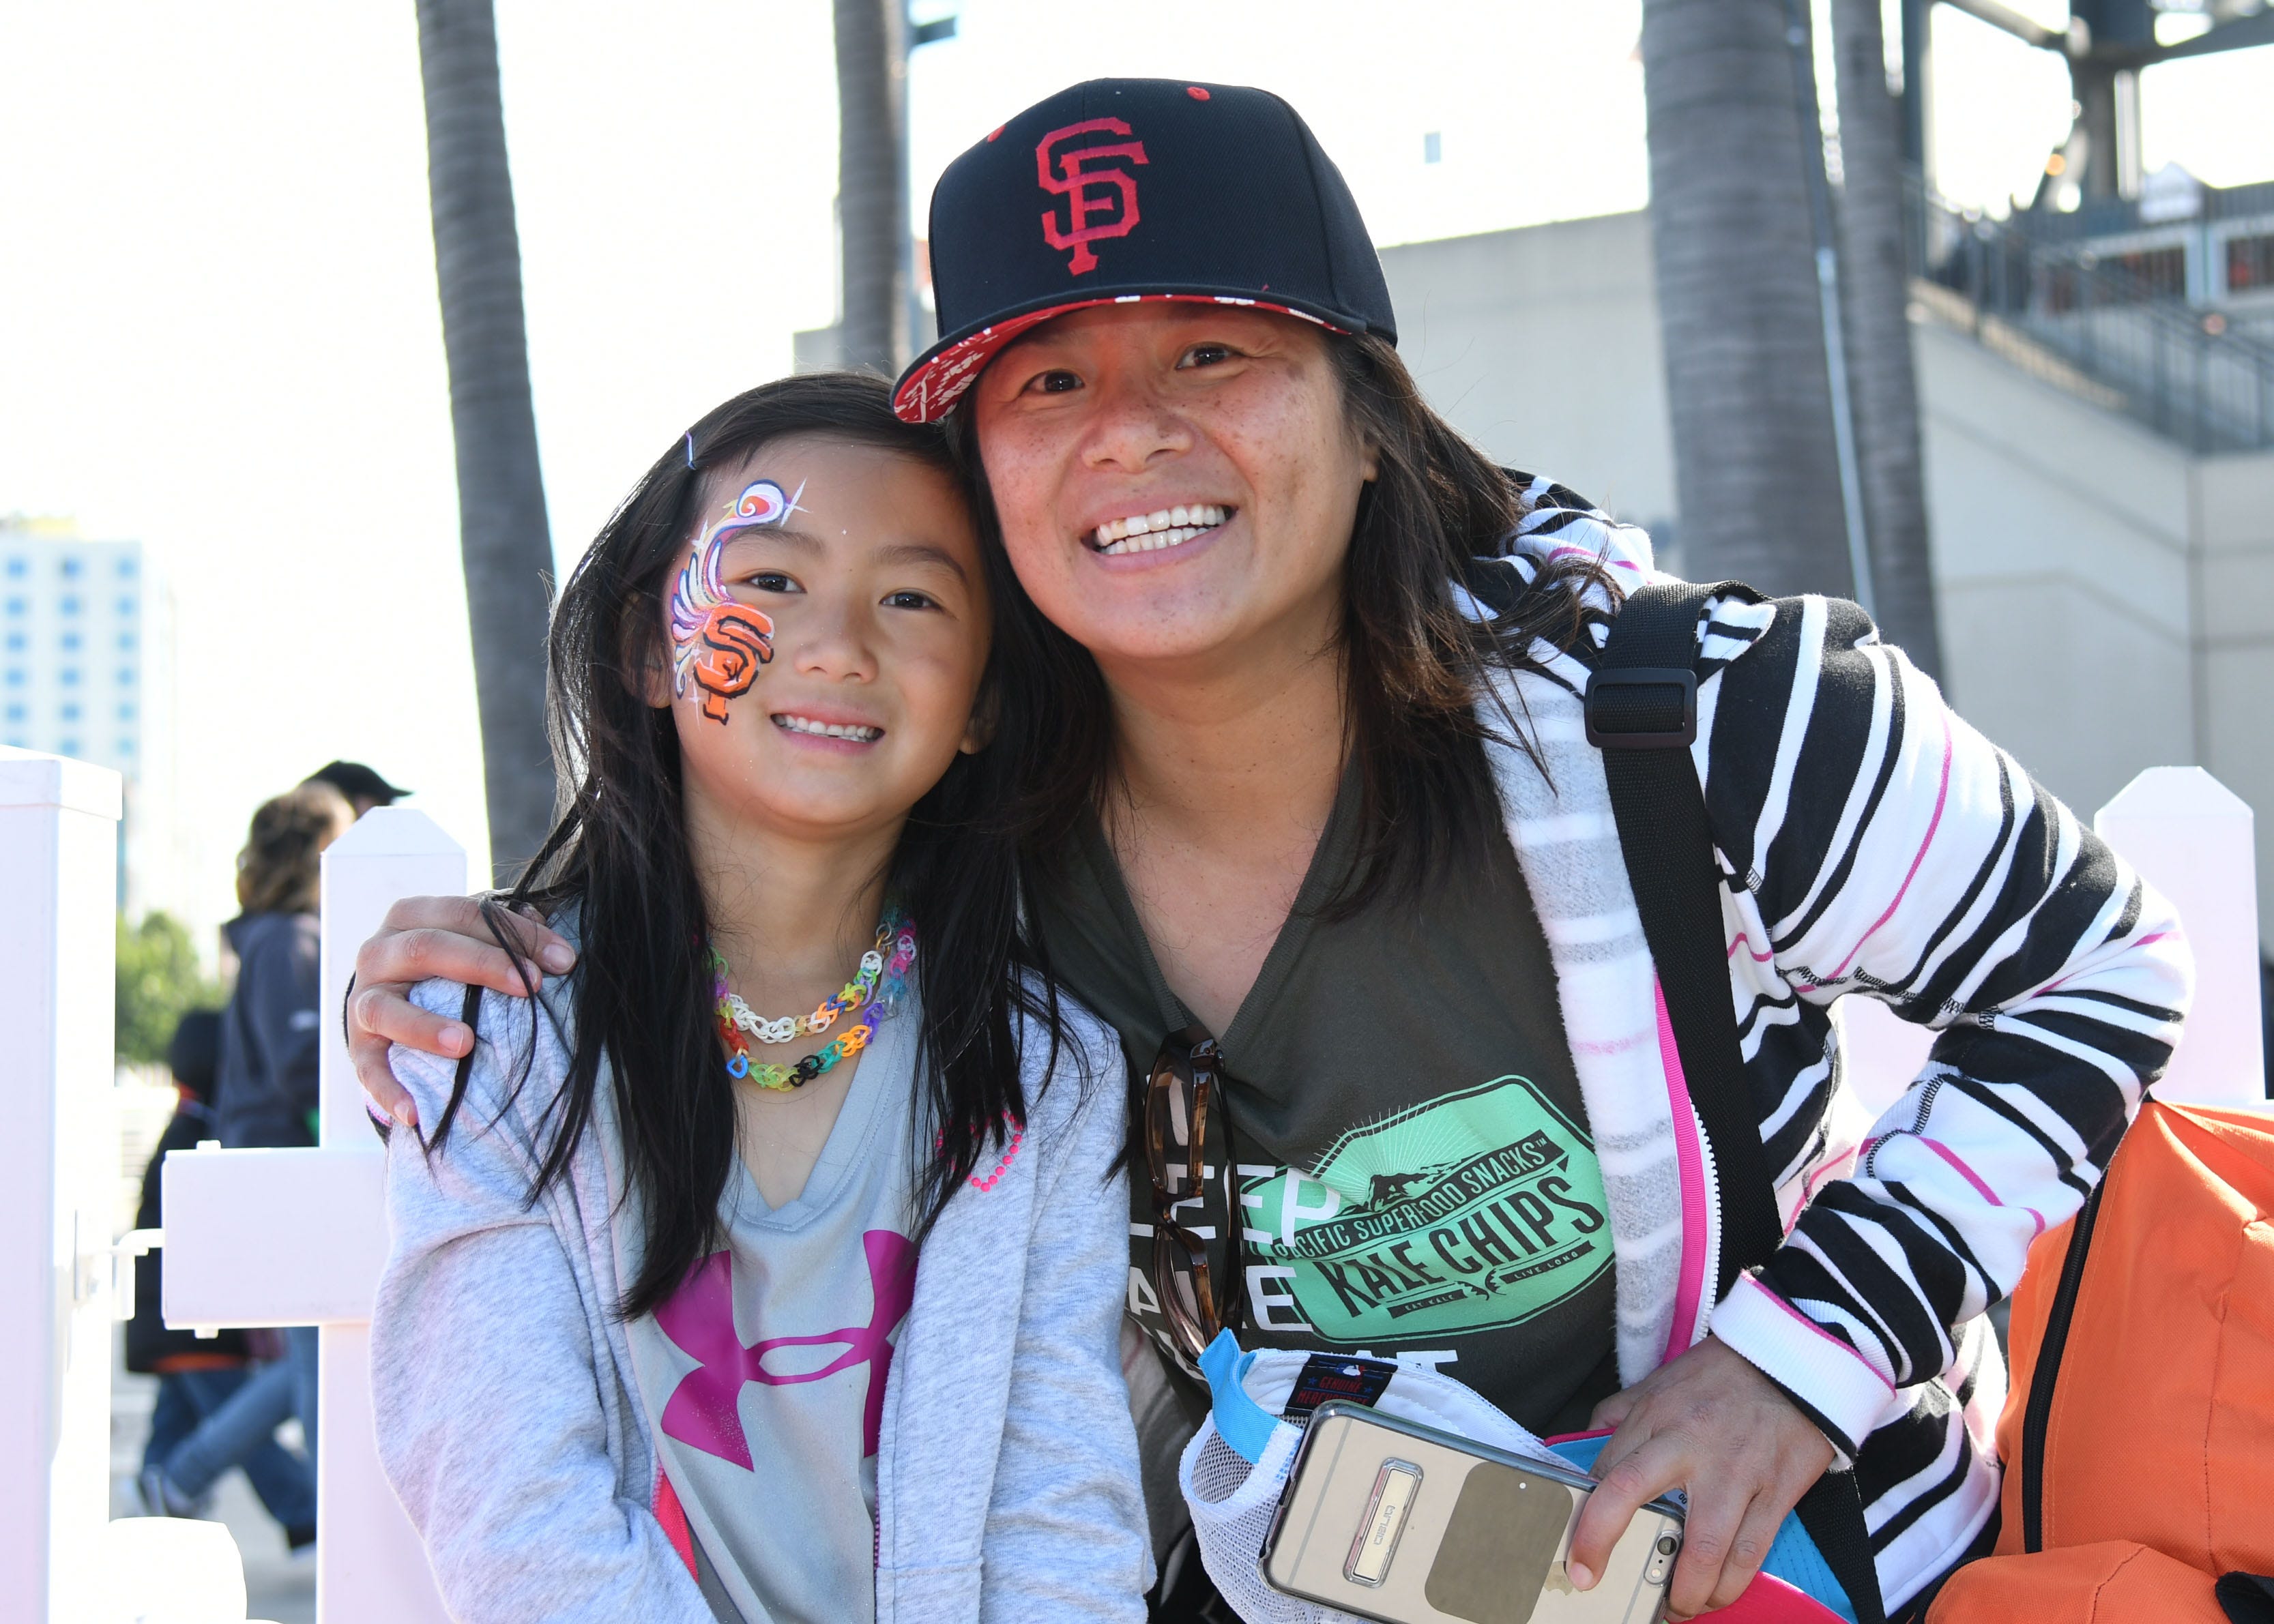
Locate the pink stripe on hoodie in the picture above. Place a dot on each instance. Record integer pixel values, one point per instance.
(1689, 1157)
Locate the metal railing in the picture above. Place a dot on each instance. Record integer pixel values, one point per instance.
(2113, 328)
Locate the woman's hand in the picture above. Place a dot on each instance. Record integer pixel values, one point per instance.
(426, 937)
(1710, 1423)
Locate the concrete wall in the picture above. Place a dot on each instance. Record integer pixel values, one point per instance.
(2059, 534)
(2233, 533)
(2107, 599)
(1542, 345)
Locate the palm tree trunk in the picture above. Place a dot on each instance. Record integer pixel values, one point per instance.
(502, 531)
(872, 200)
(1875, 295)
(1756, 469)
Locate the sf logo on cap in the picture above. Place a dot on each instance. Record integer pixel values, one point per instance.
(1094, 182)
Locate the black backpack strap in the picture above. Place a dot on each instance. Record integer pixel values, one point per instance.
(2246, 1598)
(1642, 713)
(2045, 1377)
(1832, 1513)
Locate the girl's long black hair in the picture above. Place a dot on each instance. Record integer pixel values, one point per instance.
(618, 856)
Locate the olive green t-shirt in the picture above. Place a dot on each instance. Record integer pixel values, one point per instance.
(1415, 1174)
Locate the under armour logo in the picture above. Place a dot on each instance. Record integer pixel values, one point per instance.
(704, 1410)
(1093, 182)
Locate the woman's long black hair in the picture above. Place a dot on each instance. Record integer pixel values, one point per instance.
(619, 857)
(1415, 666)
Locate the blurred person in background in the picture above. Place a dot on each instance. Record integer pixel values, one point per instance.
(362, 785)
(218, 1406)
(270, 1031)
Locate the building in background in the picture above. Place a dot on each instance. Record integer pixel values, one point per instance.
(86, 660)
(2096, 400)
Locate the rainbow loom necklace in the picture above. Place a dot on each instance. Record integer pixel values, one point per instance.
(738, 1023)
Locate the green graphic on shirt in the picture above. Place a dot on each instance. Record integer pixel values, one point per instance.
(1472, 1212)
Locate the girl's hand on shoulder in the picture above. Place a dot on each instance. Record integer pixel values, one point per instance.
(426, 938)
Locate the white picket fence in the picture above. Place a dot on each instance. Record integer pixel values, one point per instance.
(58, 1172)
(297, 1236)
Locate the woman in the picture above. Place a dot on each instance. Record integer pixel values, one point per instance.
(267, 1085)
(1292, 784)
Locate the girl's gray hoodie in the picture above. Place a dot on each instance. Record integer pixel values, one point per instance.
(509, 1421)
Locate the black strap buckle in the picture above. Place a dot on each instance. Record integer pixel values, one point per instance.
(1642, 707)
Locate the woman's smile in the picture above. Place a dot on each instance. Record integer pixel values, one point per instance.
(1161, 529)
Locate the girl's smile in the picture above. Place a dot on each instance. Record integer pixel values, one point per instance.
(824, 730)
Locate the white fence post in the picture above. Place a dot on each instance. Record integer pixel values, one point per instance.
(297, 1236)
(2189, 836)
(58, 899)
(371, 1565)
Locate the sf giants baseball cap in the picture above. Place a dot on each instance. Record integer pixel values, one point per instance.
(1126, 189)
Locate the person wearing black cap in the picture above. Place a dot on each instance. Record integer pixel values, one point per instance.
(271, 1030)
(362, 785)
(1300, 673)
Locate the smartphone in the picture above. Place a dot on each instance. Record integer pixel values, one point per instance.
(1403, 1523)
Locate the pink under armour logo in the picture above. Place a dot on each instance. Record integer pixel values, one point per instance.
(699, 1318)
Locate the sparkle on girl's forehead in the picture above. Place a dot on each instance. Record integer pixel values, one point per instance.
(761, 502)
(723, 644)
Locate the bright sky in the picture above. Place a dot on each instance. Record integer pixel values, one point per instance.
(222, 334)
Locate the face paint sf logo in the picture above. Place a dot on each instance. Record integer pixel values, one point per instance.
(722, 643)
(1094, 182)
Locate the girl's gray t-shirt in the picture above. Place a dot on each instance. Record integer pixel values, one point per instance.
(763, 1379)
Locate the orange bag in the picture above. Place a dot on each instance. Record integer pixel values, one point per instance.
(2138, 1437)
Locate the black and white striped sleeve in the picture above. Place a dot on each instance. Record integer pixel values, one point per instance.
(1876, 844)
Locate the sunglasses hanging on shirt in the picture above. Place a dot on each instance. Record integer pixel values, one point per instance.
(1184, 1100)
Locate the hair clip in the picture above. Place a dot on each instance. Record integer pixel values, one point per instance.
(690, 448)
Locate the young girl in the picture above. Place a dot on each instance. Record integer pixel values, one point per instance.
(698, 1309)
